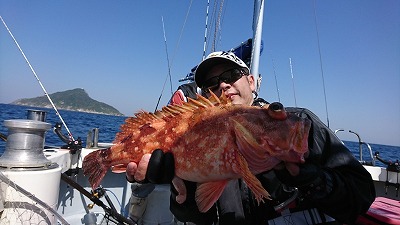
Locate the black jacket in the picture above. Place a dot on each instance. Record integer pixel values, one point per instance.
(352, 186)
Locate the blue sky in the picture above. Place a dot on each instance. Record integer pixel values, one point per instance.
(115, 50)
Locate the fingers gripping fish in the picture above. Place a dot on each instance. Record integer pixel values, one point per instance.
(212, 141)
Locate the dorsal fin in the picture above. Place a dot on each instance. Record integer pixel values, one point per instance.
(142, 117)
(212, 101)
(173, 110)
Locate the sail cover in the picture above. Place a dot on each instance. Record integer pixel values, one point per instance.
(243, 51)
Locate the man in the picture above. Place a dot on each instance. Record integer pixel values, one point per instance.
(330, 187)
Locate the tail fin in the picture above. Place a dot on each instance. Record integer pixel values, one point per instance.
(95, 166)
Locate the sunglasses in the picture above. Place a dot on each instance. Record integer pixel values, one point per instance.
(230, 76)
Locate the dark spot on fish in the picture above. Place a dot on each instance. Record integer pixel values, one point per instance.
(126, 138)
(147, 129)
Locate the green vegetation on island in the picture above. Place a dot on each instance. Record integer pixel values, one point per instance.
(74, 100)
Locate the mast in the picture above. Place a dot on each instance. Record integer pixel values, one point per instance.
(257, 32)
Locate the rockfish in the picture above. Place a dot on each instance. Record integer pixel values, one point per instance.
(212, 141)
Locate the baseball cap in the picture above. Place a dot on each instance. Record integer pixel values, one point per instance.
(213, 59)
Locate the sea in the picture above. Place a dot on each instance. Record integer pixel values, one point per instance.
(80, 123)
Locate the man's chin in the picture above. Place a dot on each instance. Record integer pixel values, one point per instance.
(236, 100)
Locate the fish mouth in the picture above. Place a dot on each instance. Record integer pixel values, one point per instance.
(299, 139)
(297, 143)
(290, 154)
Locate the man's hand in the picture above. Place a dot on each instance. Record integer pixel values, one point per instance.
(292, 168)
(137, 172)
(312, 181)
(295, 175)
(181, 191)
(158, 168)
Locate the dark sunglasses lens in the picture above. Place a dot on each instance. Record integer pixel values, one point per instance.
(212, 82)
(228, 77)
(231, 76)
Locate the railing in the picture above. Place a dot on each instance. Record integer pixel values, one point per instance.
(360, 144)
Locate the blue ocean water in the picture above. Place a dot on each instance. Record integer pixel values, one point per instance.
(80, 123)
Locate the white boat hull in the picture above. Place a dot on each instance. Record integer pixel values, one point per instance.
(381, 176)
(43, 184)
(76, 208)
(73, 206)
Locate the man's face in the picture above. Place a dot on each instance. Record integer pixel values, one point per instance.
(240, 91)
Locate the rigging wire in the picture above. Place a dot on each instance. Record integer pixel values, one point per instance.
(37, 78)
(276, 80)
(223, 10)
(213, 24)
(169, 68)
(166, 52)
(320, 60)
(215, 20)
(217, 25)
(205, 31)
(170, 64)
(211, 29)
(180, 35)
(291, 72)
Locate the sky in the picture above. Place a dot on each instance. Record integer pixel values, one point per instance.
(125, 53)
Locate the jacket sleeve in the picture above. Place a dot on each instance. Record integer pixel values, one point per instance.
(352, 186)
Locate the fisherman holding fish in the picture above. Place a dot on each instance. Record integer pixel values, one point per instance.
(324, 185)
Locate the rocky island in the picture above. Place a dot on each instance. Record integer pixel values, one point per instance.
(74, 100)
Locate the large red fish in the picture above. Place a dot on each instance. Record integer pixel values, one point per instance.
(212, 141)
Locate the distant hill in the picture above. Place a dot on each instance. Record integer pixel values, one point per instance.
(74, 100)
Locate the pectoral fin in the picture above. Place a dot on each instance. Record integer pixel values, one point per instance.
(252, 182)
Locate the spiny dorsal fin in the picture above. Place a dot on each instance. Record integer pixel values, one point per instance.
(212, 101)
(207, 102)
(173, 110)
(143, 118)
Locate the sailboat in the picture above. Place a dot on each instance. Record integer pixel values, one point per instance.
(45, 186)
(42, 192)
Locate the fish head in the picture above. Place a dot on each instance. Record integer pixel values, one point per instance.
(269, 135)
(291, 131)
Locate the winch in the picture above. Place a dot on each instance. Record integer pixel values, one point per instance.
(25, 142)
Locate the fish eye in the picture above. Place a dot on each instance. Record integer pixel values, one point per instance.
(277, 111)
(276, 106)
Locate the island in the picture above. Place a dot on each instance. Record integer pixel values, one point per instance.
(74, 100)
